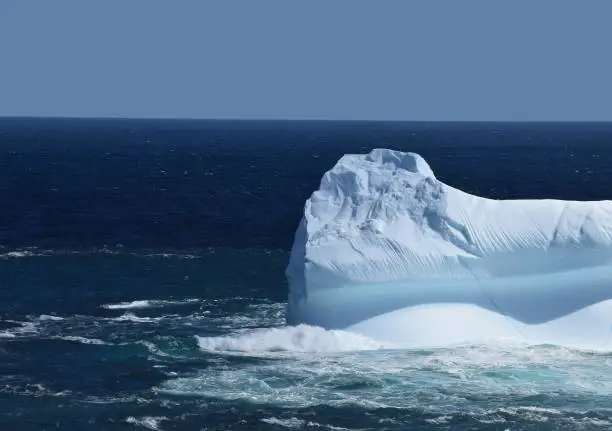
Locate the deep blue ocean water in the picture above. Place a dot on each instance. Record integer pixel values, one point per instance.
(142, 285)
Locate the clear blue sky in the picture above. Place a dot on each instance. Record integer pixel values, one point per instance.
(376, 60)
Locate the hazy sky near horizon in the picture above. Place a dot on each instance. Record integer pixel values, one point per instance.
(371, 60)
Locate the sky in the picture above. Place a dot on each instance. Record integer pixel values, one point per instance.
(333, 59)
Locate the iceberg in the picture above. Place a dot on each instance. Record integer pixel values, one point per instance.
(386, 250)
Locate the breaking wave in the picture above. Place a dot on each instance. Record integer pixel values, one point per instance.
(148, 303)
(301, 338)
(148, 422)
(83, 340)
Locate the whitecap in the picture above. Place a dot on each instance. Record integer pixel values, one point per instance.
(24, 329)
(83, 340)
(43, 317)
(31, 390)
(327, 426)
(440, 420)
(131, 317)
(291, 423)
(148, 303)
(16, 254)
(152, 348)
(301, 338)
(148, 422)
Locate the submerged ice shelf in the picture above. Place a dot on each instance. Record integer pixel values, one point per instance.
(387, 250)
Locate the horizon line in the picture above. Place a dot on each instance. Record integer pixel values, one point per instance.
(295, 120)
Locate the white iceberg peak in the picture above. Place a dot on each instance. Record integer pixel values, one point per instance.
(382, 235)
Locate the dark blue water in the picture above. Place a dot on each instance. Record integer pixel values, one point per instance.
(142, 286)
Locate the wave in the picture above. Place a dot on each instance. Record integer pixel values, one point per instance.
(83, 340)
(37, 252)
(148, 422)
(31, 390)
(17, 254)
(291, 423)
(131, 317)
(154, 349)
(78, 328)
(21, 329)
(43, 317)
(296, 423)
(301, 338)
(148, 303)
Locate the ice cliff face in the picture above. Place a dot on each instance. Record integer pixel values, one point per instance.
(382, 235)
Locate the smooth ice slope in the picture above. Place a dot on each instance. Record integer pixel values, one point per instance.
(387, 250)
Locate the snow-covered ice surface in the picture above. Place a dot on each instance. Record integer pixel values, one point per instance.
(387, 250)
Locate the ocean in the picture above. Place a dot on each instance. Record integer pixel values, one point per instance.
(142, 281)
